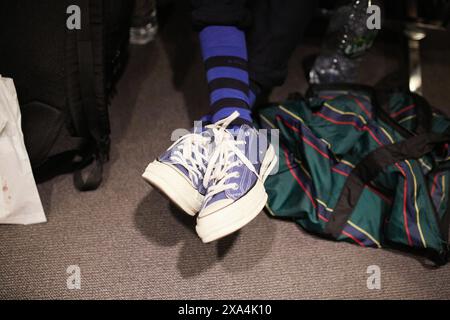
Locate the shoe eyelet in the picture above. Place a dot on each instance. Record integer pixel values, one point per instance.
(236, 186)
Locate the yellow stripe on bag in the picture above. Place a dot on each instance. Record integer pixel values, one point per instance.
(267, 121)
(351, 165)
(443, 189)
(387, 134)
(352, 224)
(302, 167)
(415, 191)
(407, 118)
(345, 113)
(324, 205)
(291, 114)
(415, 205)
(270, 210)
(365, 232)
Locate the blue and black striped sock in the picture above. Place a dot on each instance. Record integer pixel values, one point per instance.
(225, 56)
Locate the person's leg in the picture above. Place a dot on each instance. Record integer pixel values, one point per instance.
(179, 171)
(242, 158)
(277, 28)
(225, 58)
(224, 50)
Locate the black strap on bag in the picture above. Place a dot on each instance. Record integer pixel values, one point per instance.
(317, 90)
(417, 143)
(369, 168)
(424, 116)
(386, 118)
(423, 110)
(444, 226)
(98, 145)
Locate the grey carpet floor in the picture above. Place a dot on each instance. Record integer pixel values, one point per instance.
(130, 242)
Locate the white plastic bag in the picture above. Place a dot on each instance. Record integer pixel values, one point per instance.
(19, 198)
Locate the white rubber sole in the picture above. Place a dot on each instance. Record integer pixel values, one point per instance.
(235, 216)
(174, 185)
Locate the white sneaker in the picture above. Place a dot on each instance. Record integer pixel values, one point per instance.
(234, 179)
(179, 171)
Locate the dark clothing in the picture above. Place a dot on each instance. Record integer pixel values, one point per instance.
(142, 14)
(273, 29)
(221, 12)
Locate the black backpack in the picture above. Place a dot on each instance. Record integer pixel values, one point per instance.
(65, 80)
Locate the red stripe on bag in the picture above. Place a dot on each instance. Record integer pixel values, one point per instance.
(353, 238)
(395, 114)
(361, 105)
(351, 124)
(304, 138)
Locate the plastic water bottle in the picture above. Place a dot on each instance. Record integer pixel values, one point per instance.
(347, 39)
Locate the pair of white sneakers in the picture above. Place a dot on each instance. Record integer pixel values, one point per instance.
(217, 173)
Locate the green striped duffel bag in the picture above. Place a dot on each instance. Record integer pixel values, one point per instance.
(376, 177)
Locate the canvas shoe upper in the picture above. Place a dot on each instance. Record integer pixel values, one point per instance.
(179, 171)
(237, 168)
